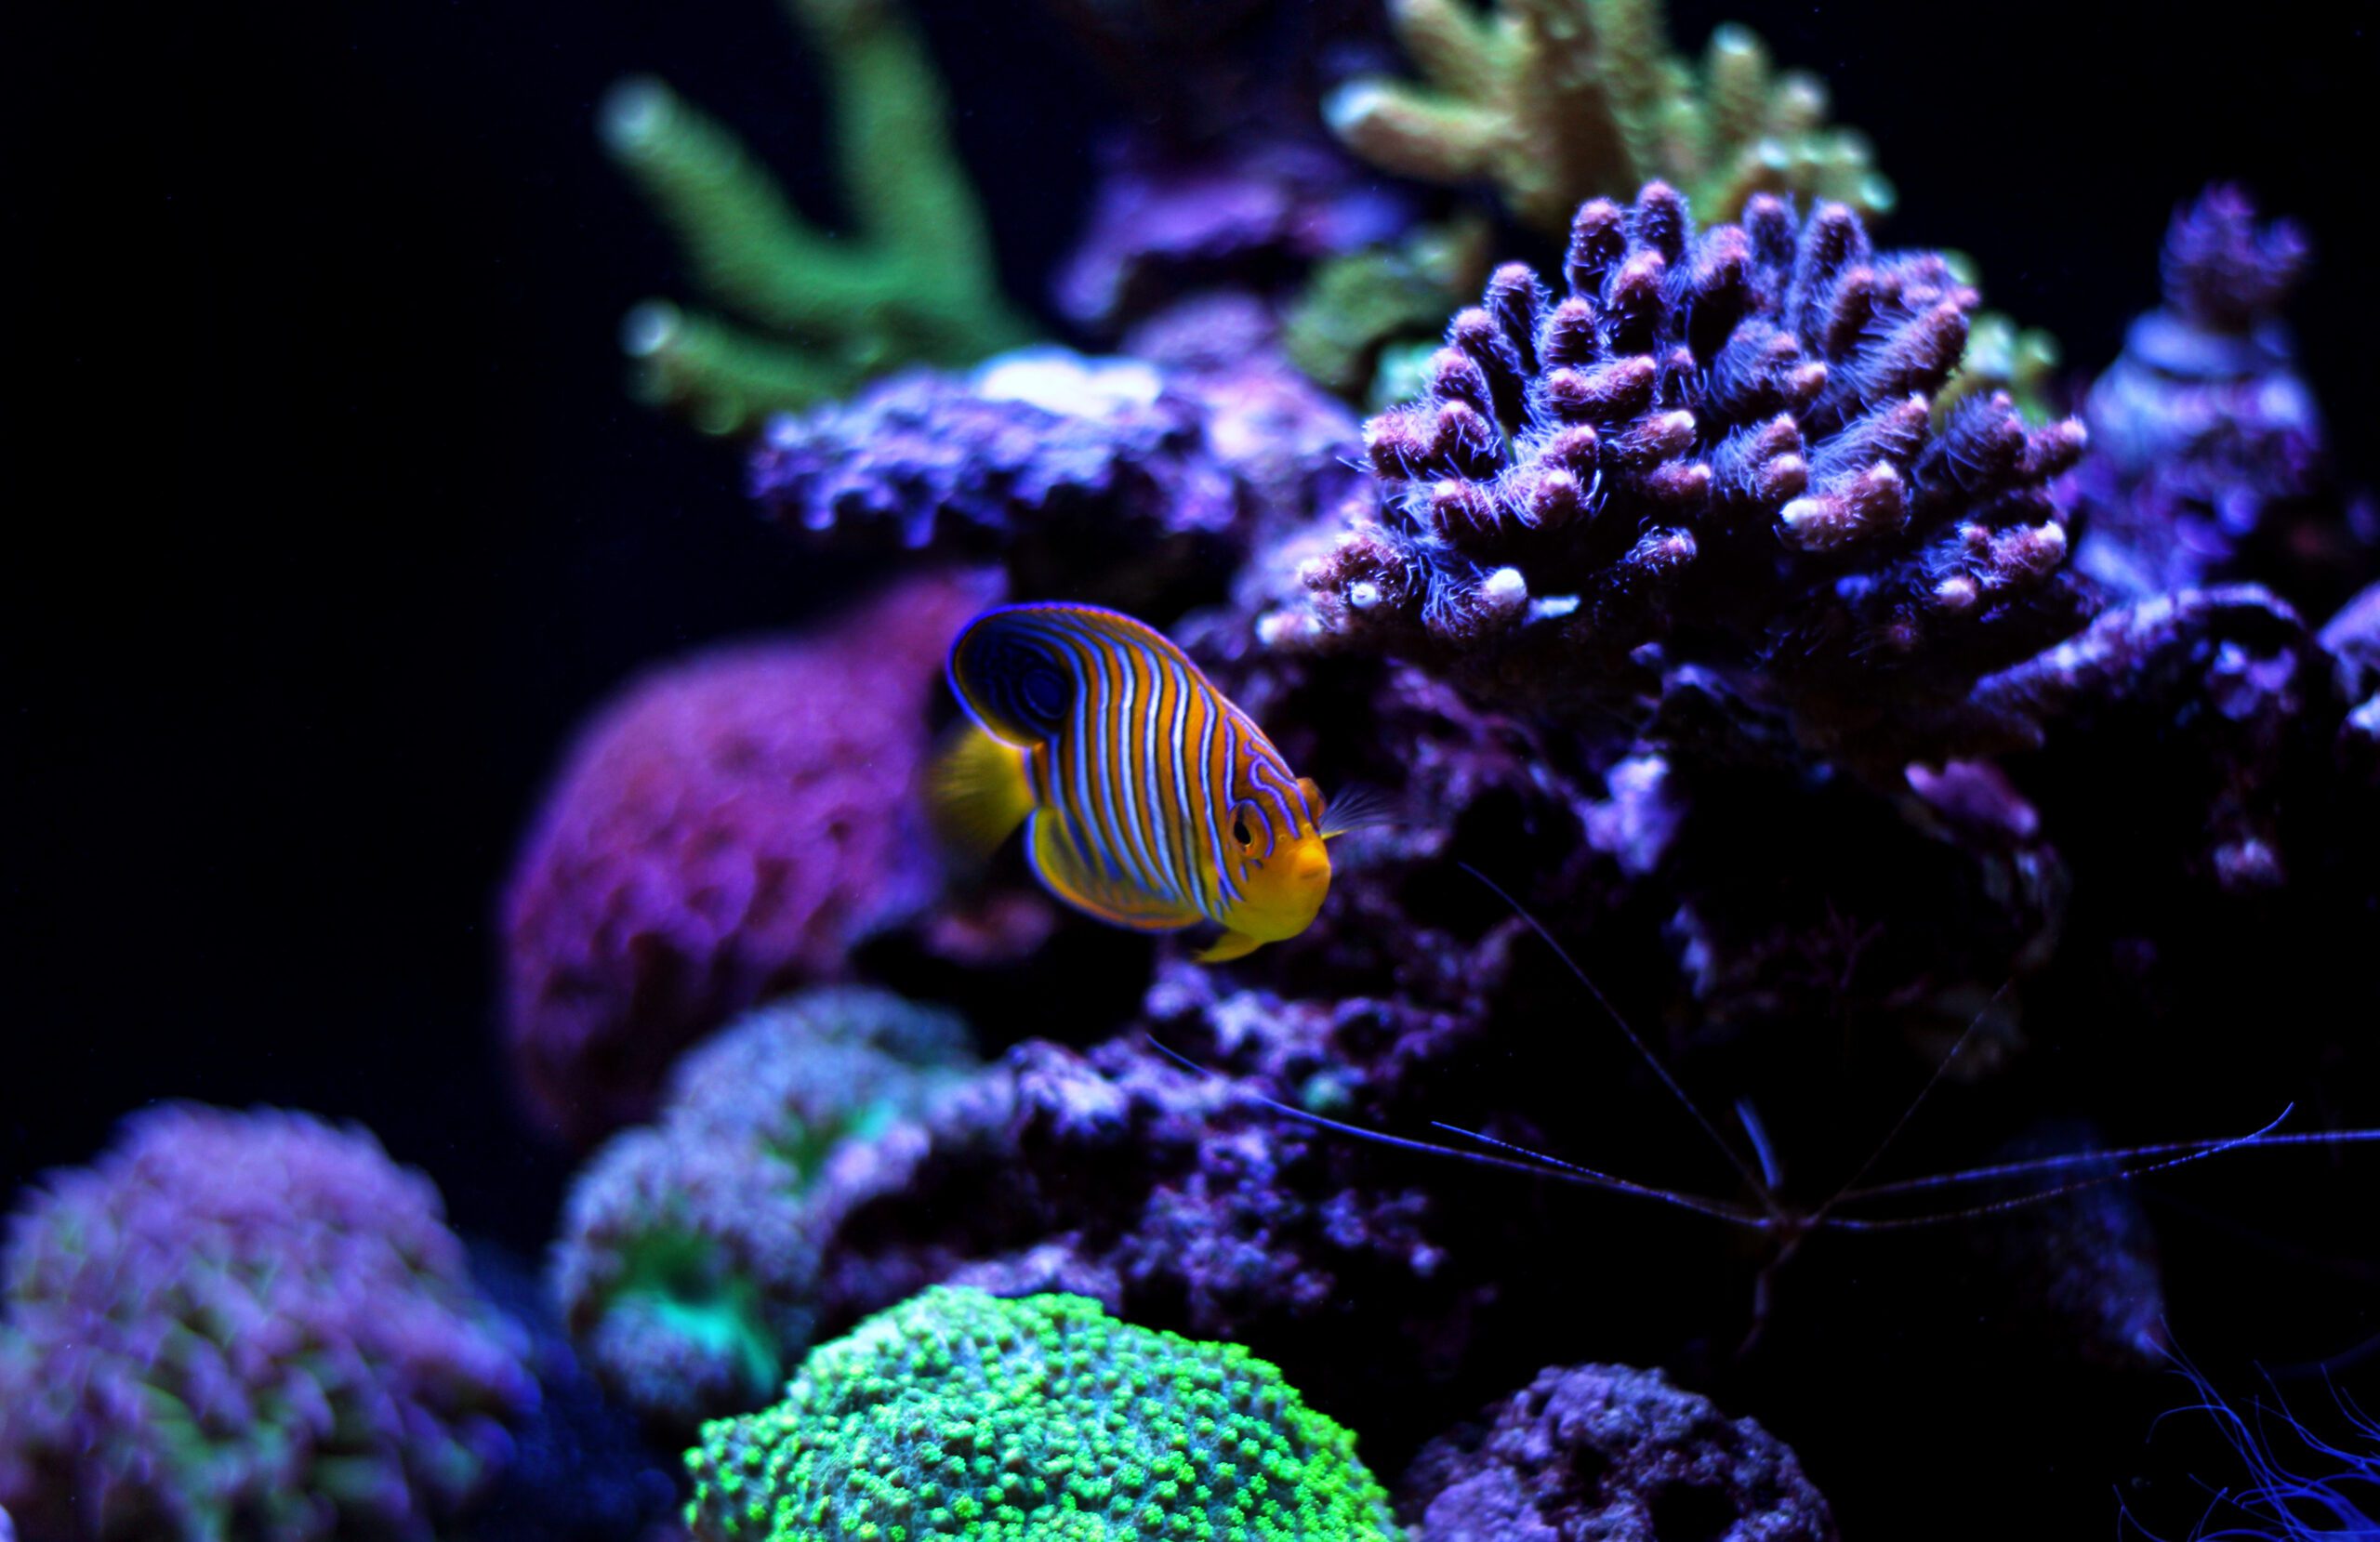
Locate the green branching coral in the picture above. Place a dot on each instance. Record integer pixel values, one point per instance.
(1558, 101)
(819, 312)
(960, 1415)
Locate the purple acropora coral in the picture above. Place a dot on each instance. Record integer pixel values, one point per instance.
(687, 1263)
(1109, 480)
(1614, 1453)
(246, 1325)
(1722, 443)
(725, 830)
(2207, 456)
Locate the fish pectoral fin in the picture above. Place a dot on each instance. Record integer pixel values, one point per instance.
(1114, 900)
(1230, 945)
(977, 790)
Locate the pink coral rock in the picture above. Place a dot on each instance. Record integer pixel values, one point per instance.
(724, 830)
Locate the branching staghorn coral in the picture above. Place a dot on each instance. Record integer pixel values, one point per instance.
(1722, 443)
(1556, 102)
(822, 312)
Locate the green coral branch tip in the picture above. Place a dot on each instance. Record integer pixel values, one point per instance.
(1558, 101)
(811, 313)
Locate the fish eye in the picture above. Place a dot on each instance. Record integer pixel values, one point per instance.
(1239, 831)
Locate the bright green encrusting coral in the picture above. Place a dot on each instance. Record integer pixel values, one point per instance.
(960, 1415)
(1558, 101)
(816, 313)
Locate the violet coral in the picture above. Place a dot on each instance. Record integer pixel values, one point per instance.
(688, 1258)
(1722, 443)
(725, 830)
(1556, 102)
(245, 1327)
(2207, 456)
(915, 280)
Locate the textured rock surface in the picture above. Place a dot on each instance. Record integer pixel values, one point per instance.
(1608, 1454)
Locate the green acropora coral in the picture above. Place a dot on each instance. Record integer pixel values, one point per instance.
(816, 313)
(960, 1415)
(1558, 101)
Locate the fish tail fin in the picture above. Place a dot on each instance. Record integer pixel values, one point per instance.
(1231, 945)
(977, 790)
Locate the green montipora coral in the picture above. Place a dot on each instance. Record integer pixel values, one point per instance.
(816, 312)
(1558, 101)
(961, 1414)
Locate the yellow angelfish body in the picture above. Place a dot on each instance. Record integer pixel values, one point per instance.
(1151, 801)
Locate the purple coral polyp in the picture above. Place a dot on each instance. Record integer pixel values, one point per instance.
(246, 1325)
(1727, 433)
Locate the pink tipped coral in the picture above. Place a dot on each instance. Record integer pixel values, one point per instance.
(245, 1327)
(1722, 443)
(725, 830)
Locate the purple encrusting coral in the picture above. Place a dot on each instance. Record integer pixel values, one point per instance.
(1110, 480)
(688, 1258)
(245, 1327)
(727, 829)
(1613, 1455)
(1722, 443)
(2207, 456)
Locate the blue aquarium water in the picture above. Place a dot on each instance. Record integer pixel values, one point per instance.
(1098, 770)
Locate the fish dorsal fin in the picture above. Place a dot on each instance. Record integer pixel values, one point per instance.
(1017, 667)
(1111, 898)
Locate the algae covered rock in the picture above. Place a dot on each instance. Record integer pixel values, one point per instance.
(960, 1415)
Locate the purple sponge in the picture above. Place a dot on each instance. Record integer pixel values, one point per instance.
(246, 1325)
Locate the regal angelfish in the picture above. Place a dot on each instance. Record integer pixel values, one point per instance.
(1151, 800)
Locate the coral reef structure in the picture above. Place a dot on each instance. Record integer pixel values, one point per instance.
(819, 312)
(1118, 480)
(687, 1264)
(1558, 101)
(1611, 1452)
(959, 1415)
(1721, 444)
(2207, 458)
(1352, 328)
(724, 831)
(246, 1325)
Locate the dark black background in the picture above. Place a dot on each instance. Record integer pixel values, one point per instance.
(327, 516)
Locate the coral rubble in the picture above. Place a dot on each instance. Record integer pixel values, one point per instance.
(1712, 452)
(820, 312)
(1556, 102)
(2207, 460)
(724, 830)
(688, 1258)
(246, 1325)
(1607, 1452)
(963, 1416)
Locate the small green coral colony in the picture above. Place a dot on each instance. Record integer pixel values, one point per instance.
(1558, 101)
(960, 1415)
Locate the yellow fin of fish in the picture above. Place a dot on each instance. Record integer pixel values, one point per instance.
(1230, 945)
(977, 790)
(1123, 903)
